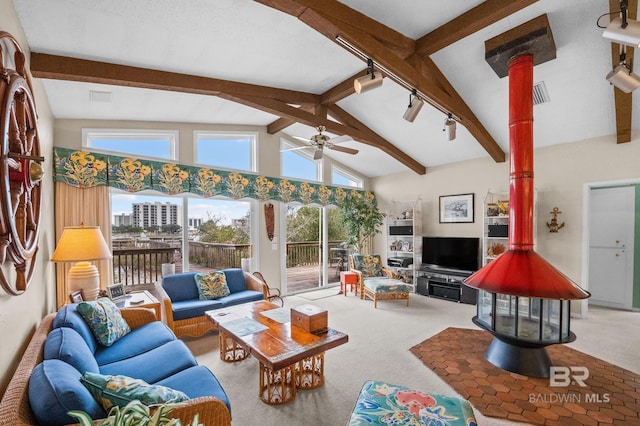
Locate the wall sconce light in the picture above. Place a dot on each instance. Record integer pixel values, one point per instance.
(554, 226)
(369, 81)
(415, 104)
(450, 127)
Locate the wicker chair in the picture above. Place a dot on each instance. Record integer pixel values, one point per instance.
(273, 294)
(15, 409)
(376, 282)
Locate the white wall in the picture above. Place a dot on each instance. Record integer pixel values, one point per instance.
(560, 174)
(19, 315)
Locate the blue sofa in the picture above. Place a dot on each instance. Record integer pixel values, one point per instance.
(184, 311)
(150, 352)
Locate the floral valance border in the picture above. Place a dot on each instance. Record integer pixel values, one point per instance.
(83, 169)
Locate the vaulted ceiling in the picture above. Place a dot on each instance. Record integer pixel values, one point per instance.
(278, 63)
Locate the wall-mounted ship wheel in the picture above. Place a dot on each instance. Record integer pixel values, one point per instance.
(20, 171)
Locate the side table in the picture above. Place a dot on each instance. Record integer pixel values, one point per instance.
(141, 299)
(348, 278)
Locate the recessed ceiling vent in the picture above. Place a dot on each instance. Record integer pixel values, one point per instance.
(98, 96)
(540, 94)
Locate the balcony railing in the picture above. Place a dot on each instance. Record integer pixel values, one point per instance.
(140, 263)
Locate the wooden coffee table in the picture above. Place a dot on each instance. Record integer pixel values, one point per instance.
(290, 357)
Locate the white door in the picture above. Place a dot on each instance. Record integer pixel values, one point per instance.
(611, 230)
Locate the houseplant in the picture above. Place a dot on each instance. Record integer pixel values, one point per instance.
(361, 218)
(135, 413)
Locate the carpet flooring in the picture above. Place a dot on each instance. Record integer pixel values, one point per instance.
(611, 394)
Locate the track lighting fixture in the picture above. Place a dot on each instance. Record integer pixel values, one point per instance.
(622, 30)
(622, 77)
(415, 104)
(450, 127)
(369, 81)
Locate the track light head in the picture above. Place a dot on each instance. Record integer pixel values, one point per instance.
(618, 32)
(369, 81)
(450, 127)
(415, 104)
(622, 77)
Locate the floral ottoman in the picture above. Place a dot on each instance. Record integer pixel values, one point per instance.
(382, 403)
(381, 288)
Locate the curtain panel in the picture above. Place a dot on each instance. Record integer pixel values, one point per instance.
(84, 169)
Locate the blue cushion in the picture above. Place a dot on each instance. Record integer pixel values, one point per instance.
(239, 297)
(193, 308)
(67, 345)
(155, 364)
(54, 389)
(235, 279)
(139, 340)
(67, 316)
(180, 286)
(196, 382)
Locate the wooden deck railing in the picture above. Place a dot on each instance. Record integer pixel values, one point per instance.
(142, 264)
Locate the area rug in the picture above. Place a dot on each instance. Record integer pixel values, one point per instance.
(609, 395)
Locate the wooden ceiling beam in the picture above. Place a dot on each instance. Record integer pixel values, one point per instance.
(475, 19)
(363, 135)
(623, 101)
(284, 122)
(373, 139)
(374, 39)
(73, 69)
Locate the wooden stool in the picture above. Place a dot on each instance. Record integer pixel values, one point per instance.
(348, 278)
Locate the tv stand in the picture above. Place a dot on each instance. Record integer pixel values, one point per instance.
(445, 284)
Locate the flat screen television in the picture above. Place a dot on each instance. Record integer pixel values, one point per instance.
(460, 253)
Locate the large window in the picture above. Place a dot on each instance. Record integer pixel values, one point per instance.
(298, 163)
(145, 143)
(230, 150)
(197, 234)
(342, 177)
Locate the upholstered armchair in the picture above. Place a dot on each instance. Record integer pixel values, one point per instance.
(368, 266)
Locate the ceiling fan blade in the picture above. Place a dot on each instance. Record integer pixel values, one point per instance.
(318, 154)
(344, 149)
(340, 139)
(296, 148)
(302, 139)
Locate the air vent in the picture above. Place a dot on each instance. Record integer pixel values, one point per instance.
(98, 96)
(540, 94)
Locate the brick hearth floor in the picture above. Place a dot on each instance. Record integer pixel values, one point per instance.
(611, 394)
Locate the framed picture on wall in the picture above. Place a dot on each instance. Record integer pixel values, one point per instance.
(456, 208)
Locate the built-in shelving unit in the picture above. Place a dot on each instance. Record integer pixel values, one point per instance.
(495, 239)
(404, 239)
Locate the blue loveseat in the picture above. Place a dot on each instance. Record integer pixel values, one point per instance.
(47, 383)
(184, 311)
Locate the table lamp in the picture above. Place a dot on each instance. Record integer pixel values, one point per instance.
(82, 244)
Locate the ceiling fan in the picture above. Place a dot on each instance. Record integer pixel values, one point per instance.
(321, 141)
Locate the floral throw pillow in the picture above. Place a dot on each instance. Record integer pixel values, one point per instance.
(212, 285)
(104, 320)
(120, 390)
(369, 264)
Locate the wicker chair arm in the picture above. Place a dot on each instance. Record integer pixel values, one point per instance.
(257, 283)
(137, 317)
(389, 273)
(211, 412)
(166, 304)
